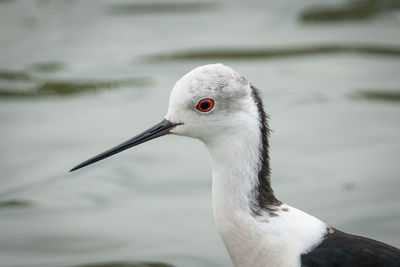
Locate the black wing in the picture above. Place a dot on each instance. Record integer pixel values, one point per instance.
(345, 250)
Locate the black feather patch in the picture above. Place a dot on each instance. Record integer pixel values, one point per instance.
(345, 250)
(263, 195)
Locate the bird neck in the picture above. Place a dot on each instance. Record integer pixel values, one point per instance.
(240, 202)
(240, 166)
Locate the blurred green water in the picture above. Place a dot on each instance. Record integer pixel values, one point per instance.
(349, 10)
(78, 77)
(271, 53)
(14, 203)
(378, 95)
(24, 84)
(123, 264)
(161, 8)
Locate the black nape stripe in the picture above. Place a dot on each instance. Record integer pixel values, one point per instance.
(263, 196)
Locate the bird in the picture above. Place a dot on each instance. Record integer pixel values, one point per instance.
(222, 109)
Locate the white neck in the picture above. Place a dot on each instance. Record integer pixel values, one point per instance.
(235, 165)
(254, 240)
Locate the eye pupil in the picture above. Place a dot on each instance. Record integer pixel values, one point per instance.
(205, 104)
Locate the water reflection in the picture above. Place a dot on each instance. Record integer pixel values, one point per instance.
(392, 96)
(266, 53)
(125, 264)
(47, 66)
(15, 203)
(61, 243)
(20, 84)
(350, 10)
(142, 8)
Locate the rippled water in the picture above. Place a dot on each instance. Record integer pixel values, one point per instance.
(77, 77)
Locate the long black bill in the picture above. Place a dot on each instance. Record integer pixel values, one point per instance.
(157, 130)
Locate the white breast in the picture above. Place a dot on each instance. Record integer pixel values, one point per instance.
(269, 241)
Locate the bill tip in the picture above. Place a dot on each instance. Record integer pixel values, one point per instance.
(74, 169)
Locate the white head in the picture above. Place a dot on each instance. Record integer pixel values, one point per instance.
(212, 101)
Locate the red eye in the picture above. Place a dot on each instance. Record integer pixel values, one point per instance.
(206, 104)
